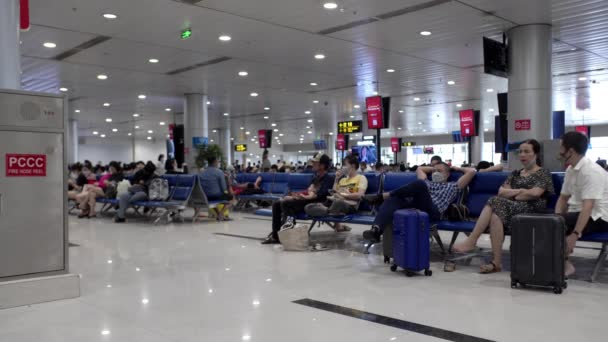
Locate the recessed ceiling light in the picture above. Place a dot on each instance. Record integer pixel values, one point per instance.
(331, 133)
(416, 99)
(276, 130)
(330, 5)
(208, 102)
(582, 78)
(485, 130)
(420, 123)
(167, 109)
(153, 60)
(63, 89)
(424, 130)
(108, 119)
(136, 127)
(253, 140)
(162, 123)
(307, 127)
(399, 128)
(110, 16)
(307, 112)
(459, 105)
(114, 129)
(486, 121)
(266, 118)
(214, 131)
(309, 132)
(95, 132)
(390, 70)
(451, 82)
(226, 114)
(129, 134)
(242, 128)
(107, 104)
(356, 106)
(77, 111)
(102, 77)
(491, 110)
(352, 116)
(400, 111)
(243, 73)
(489, 90)
(319, 56)
(145, 301)
(273, 124)
(247, 133)
(315, 101)
(49, 45)
(375, 93)
(135, 115)
(225, 38)
(314, 84)
(103, 135)
(281, 134)
(150, 131)
(149, 138)
(266, 108)
(105, 332)
(141, 96)
(254, 94)
(309, 120)
(425, 33)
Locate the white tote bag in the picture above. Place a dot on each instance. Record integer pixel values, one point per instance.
(294, 238)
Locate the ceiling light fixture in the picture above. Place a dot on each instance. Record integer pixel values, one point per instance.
(276, 130)
(243, 73)
(153, 60)
(315, 101)
(273, 124)
(114, 130)
(309, 120)
(106, 104)
(226, 114)
(110, 16)
(95, 132)
(459, 105)
(225, 38)
(242, 128)
(135, 115)
(489, 90)
(162, 123)
(130, 134)
(582, 78)
(352, 116)
(49, 45)
(266, 108)
(390, 70)
(314, 84)
(330, 5)
(63, 89)
(167, 109)
(103, 135)
(102, 77)
(451, 82)
(416, 99)
(491, 110)
(150, 131)
(136, 127)
(208, 102)
(108, 119)
(254, 94)
(149, 138)
(141, 97)
(400, 111)
(266, 118)
(425, 33)
(319, 56)
(331, 133)
(356, 106)
(307, 112)
(77, 111)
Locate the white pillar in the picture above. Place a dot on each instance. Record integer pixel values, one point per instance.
(478, 141)
(196, 124)
(226, 144)
(331, 146)
(530, 52)
(72, 141)
(10, 55)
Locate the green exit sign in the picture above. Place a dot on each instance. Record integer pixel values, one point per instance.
(187, 33)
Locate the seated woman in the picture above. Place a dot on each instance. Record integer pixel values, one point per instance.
(76, 182)
(87, 199)
(137, 192)
(348, 190)
(524, 191)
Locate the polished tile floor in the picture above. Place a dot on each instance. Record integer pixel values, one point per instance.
(183, 282)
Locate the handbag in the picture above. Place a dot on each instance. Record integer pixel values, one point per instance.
(458, 212)
(294, 238)
(111, 192)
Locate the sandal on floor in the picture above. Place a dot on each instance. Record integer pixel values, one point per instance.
(449, 266)
(489, 268)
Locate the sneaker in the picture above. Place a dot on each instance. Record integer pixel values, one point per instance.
(374, 199)
(372, 235)
(271, 240)
(119, 220)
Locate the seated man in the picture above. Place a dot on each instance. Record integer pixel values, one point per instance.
(213, 182)
(436, 160)
(433, 197)
(296, 202)
(584, 198)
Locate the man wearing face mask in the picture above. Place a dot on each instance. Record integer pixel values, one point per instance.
(432, 197)
(584, 198)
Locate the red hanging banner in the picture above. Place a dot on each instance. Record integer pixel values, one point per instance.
(262, 138)
(467, 123)
(395, 145)
(24, 15)
(341, 142)
(582, 129)
(373, 105)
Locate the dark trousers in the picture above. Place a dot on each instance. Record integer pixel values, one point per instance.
(282, 209)
(414, 195)
(598, 226)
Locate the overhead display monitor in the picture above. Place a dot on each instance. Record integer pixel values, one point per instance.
(375, 117)
(467, 123)
(396, 145)
(348, 127)
(240, 148)
(342, 142)
(408, 143)
(429, 150)
(495, 58)
(320, 144)
(265, 138)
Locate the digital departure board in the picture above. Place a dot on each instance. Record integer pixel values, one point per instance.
(408, 143)
(347, 127)
(240, 148)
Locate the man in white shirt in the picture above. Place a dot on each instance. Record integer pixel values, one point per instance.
(584, 197)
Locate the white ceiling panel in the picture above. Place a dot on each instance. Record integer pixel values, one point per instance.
(33, 40)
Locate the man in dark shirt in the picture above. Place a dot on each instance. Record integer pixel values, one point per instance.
(291, 207)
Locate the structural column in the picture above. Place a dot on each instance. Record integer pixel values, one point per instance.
(10, 63)
(331, 147)
(477, 142)
(226, 143)
(530, 102)
(196, 125)
(72, 141)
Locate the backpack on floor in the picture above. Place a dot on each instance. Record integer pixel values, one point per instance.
(158, 190)
(294, 238)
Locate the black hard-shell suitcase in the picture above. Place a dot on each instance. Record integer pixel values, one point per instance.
(538, 251)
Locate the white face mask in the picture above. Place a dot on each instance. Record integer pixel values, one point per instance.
(437, 177)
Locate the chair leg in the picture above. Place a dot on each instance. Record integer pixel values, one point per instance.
(435, 235)
(454, 237)
(599, 262)
(312, 225)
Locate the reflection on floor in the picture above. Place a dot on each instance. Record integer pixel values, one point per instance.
(183, 282)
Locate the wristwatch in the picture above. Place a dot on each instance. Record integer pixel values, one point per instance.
(577, 234)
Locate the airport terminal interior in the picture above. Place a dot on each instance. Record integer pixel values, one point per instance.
(303, 170)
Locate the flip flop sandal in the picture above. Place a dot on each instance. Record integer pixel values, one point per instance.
(489, 268)
(449, 266)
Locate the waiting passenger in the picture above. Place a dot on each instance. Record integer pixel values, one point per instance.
(138, 190)
(76, 182)
(105, 187)
(584, 198)
(436, 160)
(433, 197)
(160, 165)
(525, 191)
(485, 166)
(172, 168)
(213, 182)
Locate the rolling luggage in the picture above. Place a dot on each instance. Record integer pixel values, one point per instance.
(411, 242)
(537, 251)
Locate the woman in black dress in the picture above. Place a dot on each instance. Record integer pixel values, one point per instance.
(524, 191)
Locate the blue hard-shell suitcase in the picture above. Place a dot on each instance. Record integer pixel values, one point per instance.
(411, 241)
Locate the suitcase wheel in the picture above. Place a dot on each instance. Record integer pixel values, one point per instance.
(428, 272)
(557, 290)
(409, 273)
(387, 259)
(394, 268)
